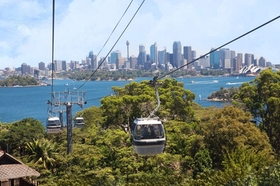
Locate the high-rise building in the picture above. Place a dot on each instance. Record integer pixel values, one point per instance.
(249, 59)
(41, 66)
(120, 62)
(215, 59)
(240, 56)
(188, 56)
(262, 62)
(127, 48)
(93, 60)
(141, 56)
(204, 62)
(25, 69)
(154, 54)
(133, 62)
(177, 54)
(57, 65)
(162, 57)
(196, 63)
(64, 66)
(114, 56)
(237, 62)
(225, 57)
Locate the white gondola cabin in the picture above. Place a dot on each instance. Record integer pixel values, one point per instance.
(79, 122)
(53, 125)
(148, 136)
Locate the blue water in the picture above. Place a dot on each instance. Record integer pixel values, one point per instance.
(21, 102)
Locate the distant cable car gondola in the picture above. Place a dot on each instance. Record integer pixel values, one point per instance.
(148, 136)
(53, 124)
(79, 122)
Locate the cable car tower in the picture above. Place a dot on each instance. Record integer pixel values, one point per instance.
(60, 99)
(68, 99)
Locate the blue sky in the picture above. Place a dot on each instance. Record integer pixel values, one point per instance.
(82, 26)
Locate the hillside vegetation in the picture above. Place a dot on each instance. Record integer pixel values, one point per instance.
(18, 81)
(205, 146)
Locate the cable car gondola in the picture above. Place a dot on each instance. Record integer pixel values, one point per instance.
(79, 122)
(148, 136)
(53, 124)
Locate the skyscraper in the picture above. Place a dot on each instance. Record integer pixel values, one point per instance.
(262, 62)
(114, 56)
(25, 69)
(127, 48)
(225, 56)
(64, 66)
(141, 56)
(215, 59)
(57, 65)
(249, 59)
(93, 60)
(154, 54)
(162, 57)
(41, 66)
(188, 55)
(177, 54)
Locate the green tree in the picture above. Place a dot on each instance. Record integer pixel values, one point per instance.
(139, 99)
(202, 162)
(269, 176)
(241, 167)
(262, 98)
(22, 132)
(230, 128)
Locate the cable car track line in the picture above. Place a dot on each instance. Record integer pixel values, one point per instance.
(113, 45)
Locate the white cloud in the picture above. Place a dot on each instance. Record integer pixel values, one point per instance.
(84, 25)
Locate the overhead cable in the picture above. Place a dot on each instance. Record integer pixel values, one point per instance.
(115, 42)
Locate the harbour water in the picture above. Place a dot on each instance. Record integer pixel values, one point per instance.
(22, 102)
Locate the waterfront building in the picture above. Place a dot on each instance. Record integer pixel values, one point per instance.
(177, 54)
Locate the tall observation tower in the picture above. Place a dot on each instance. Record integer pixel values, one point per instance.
(127, 46)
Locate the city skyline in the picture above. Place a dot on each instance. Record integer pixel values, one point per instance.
(25, 37)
